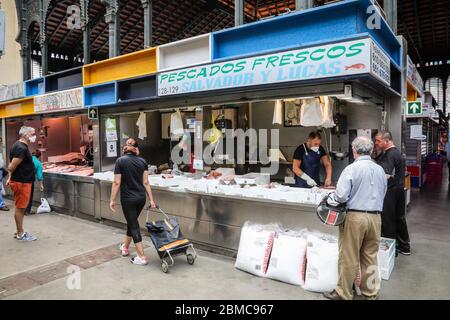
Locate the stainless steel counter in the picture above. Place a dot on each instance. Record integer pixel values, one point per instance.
(211, 219)
(216, 220)
(67, 193)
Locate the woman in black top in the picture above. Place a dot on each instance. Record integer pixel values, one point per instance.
(131, 176)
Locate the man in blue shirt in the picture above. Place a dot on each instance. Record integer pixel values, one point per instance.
(362, 186)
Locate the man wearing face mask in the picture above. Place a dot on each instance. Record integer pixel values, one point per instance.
(21, 176)
(307, 159)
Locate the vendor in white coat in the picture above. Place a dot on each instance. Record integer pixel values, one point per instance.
(307, 159)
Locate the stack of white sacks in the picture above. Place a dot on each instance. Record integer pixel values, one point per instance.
(303, 258)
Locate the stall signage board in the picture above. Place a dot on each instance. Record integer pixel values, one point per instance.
(10, 92)
(414, 108)
(414, 77)
(380, 64)
(68, 99)
(92, 113)
(332, 60)
(429, 111)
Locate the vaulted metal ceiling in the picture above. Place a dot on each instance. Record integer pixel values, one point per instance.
(424, 23)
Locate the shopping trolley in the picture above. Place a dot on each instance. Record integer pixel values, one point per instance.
(168, 240)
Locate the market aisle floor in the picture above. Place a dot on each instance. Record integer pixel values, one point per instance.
(41, 270)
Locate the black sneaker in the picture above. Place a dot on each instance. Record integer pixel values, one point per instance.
(404, 252)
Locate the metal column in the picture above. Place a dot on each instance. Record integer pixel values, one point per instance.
(238, 12)
(202, 123)
(25, 46)
(96, 144)
(148, 18)
(303, 4)
(390, 8)
(112, 18)
(43, 42)
(444, 102)
(44, 50)
(86, 31)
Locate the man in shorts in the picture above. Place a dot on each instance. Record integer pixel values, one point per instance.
(21, 176)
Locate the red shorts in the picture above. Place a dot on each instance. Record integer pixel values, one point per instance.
(22, 193)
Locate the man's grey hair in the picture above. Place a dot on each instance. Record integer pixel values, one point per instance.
(24, 130)
(385, 135)
(363, 146)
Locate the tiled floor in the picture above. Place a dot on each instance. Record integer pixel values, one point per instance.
(40, 270)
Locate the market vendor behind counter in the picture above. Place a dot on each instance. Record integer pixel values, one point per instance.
(307, 159)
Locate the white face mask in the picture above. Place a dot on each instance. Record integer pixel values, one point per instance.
(315, 149)
(33, 139)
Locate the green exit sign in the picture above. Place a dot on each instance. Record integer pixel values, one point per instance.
(92, 113)
(414, 108)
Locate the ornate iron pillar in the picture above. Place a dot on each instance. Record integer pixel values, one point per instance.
(112, 18)
(390, 8)
(86, 31)
(22, 38)
(444, 89)
(238, 12)
(43, 39)
(44, 51)
(303, 4)
(148, 17)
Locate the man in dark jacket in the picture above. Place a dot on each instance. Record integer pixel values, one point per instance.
(393, 219)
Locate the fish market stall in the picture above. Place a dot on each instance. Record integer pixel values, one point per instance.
(213, 214)
(65, 137)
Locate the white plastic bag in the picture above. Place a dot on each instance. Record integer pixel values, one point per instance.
(288, 259)
(322, 256)
(278, 113)
(311, 113)
(44, 207)
(176, 125)
(255, 246)
(327, 112)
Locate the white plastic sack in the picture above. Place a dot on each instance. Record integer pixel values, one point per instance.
(322, 256)
(142, 125)
(44, 207)
(288, 259)
(176, 125)
(327, 112)
(311, 113)
(278, 113)
(255, 246)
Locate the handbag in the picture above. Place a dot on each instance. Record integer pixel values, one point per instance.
(331, 215)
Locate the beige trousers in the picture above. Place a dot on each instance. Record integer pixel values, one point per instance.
(359, 239)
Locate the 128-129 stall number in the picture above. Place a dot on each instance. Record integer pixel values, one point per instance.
(169, 90)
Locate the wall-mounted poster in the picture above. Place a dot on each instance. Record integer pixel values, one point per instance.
(111, 149)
